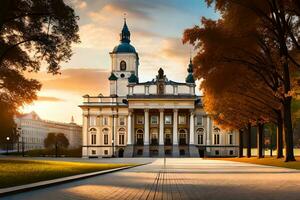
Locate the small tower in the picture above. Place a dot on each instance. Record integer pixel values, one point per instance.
(190, 78)
(72, 120)
(125, 61)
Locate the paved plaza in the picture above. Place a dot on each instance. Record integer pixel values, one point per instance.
(179, 178)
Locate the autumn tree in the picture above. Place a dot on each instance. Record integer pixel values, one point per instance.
(260, 38)
(32, 33)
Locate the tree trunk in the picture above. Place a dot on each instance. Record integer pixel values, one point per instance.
(279, 136)
(287, 115)
(260, 139)
(249, 141)
(288, 131)
(241, 145)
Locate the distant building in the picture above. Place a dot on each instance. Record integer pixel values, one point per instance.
(159, 117)
(34, 130)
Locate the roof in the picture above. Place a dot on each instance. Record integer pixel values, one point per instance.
(124, 48)
(112, 77)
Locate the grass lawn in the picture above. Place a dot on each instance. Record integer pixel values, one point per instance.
(272, 161)
(19, 172)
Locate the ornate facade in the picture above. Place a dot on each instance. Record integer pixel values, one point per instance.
(155, 118)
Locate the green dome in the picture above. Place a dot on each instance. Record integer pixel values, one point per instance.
(133, 78)
(190, 79)
(124, 48)
(113, 77)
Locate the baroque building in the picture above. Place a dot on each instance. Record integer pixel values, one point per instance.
(155, 118)
(33, 131)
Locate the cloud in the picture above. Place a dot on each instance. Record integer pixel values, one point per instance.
(49, 99)
(79, 81)
(174, 49)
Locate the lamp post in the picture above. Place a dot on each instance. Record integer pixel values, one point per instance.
(7, 139)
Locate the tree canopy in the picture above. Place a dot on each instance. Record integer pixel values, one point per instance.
(245, 60)
(33, 34)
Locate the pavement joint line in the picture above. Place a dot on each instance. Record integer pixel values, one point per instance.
(57, 181)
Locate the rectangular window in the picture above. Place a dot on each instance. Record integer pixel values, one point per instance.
(105, 121)
(122, 121)
(168, 119)
(200, 139)
(154, 119)
(216, 138)
(105, 152)
(231, 152)
(140, 119)
(105, 139)
(217, 152)
(93, 152)
(182, 119)
(199, 120)
(93, 139)
(230, 139)
(93, 120)
(121, 139)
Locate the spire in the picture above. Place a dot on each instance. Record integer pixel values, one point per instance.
(72, 119)
(125, 34)
(190, 77)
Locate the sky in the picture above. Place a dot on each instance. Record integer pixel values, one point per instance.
(156, 28)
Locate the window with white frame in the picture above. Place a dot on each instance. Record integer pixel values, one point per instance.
(105, 138)
(199, 120)
(168, 119)
(154, 119)
(140, 119)
(200, 138)
(182, 119)
(93, 120)
(105, 121)
(121, 139)
(105, 135)
(121, 132)
(122, 121)
(93, 139)
(216, 138)
(200, 135)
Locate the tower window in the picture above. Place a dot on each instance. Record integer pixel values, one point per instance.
(123, 65)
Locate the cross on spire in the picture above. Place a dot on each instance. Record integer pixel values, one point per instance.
(125, 17)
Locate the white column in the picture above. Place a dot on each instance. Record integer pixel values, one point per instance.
(192, 127)
(161, 127)
(175, 129)
(146, 139)
(129, 130)
(208, 132)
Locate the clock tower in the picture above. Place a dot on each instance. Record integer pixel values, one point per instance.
(124, 64)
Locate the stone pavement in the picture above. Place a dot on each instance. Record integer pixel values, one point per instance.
(181, 178)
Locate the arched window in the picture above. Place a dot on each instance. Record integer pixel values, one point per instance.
(140, 137)
(200, 135)
(182, 137)
(123, 65)
(121, 133)
(216, 129)
(93, 133)
(105, 135)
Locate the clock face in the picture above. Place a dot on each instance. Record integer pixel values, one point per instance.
(122, 65)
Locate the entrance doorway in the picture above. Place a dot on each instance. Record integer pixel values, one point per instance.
(121, 153)
(201, 153)
(182, 137)
(140, 137)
